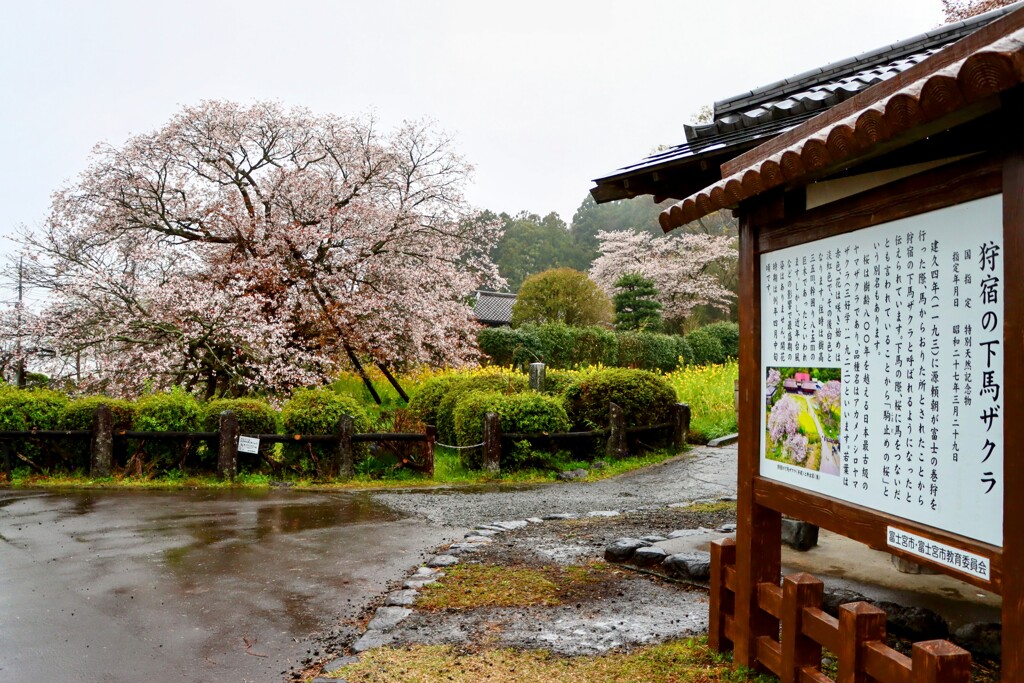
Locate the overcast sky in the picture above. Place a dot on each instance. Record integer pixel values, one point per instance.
(541, 97)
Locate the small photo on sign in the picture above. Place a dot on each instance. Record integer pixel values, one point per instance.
(803, 407)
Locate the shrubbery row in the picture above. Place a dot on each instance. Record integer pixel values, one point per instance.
(573, 400)
(561, 346)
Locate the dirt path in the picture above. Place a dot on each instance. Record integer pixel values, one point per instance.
(829, 461)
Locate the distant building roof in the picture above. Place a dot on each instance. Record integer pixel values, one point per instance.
(746, 120)
(494, 308)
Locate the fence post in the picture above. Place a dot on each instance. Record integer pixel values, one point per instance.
(101, 446)
(537, 376)
(492, 443)
(859, 623)
(616, 432)
(680, 425)
(8, 467)
(722, 601)
(940, 661)
(344, 455)
(227, 447)
(428, 449)
(798, 651)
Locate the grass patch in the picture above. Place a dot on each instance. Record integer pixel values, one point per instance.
(708, 389)
(684, 660)
(717, 506)
(470, 586)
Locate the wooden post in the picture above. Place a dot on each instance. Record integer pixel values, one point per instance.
(428, 449)
(940, 661)
(101, 445)
(680, 425)
(616, 447)
(492, 443)
(8, 467)
(758, 528)
(722, 602)
(344, 454)
(798, 651)
(227, 449)
(859, 623)
(537, 376)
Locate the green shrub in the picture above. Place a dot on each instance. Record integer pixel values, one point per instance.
(528, 412)
(427, 397)
(593, 346)
(23, 409)
(728, 334)
(509, 347)
(505, 383)
(645, 398)
(557, 341)
(254, 417)
(78, 414)
(648, 351)
(317, 411)
(707, 348)
(173, 411)
(684, 353)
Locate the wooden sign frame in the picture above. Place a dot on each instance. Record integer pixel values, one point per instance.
(778, 220)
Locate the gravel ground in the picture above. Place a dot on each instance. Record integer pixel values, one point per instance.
(702, 473)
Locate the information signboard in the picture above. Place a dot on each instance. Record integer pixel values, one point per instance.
(883, 369)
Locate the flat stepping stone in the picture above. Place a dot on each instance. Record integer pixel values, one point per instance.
(649, 556)
(462, 548)
(683, 533)
(727, 528)
(487, 533)
(561, 515)
(653, 538)
(372, 640)
(403, 598)
(511, 526)
(479, 540)
(534, 520)
(331, 667)
(427, 572)
(604, 513)
(490, 527)
(416, 584)
(442, 561)
(622, 549)
(692, 565)
(386, 618)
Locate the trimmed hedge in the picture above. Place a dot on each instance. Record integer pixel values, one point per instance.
(511, 347)
(648, 351)
(729, 336)
(645, 398)
(317, 411)
(502, 384)
(173, 411)
(78, 414)
(706, 347)
(527, 412)
(426, 398)
(254, 417)
(22, 409)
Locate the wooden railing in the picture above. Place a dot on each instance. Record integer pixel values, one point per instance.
(856, 638)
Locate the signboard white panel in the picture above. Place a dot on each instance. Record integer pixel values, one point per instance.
(883, 368)
(248, 444)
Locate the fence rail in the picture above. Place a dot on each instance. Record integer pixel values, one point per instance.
(856, 637)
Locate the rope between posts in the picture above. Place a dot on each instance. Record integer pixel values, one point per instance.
(458, 448)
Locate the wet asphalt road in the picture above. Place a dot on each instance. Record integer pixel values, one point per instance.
(101, 586)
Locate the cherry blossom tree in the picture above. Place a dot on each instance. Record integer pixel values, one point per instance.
(679, 266)
(830, 395)
(243, 248)
(783, 421)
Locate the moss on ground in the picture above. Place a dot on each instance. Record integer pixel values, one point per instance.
(688, 661)
(471, 586)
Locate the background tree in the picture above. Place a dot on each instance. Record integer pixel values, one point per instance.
(958, 10)
(681, 267)
(253, 248)
(636, 305)
(530, 244)
(561, 295)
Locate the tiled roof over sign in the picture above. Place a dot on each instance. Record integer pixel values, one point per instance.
(748, 119)
(494, 308)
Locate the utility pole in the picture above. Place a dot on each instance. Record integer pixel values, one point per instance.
(20, 364)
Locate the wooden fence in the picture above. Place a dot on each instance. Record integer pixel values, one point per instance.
(341, 461)
(856, 638)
